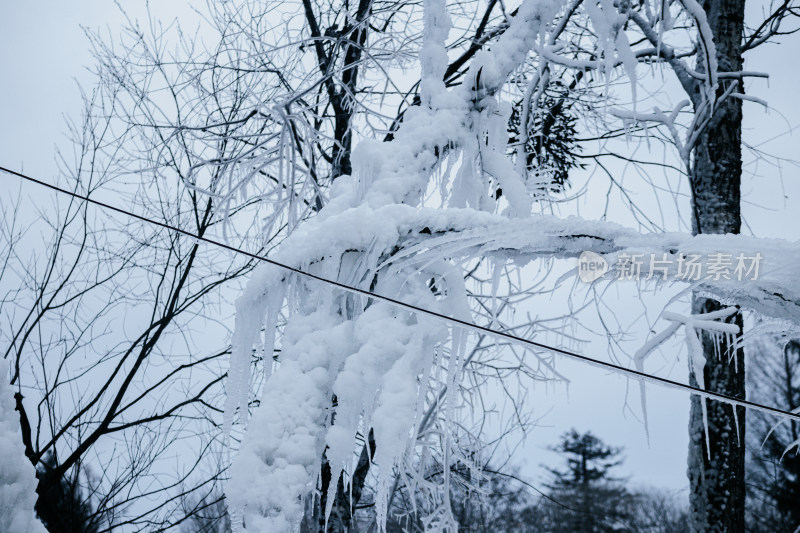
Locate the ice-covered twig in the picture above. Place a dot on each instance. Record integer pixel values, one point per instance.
(692, 324)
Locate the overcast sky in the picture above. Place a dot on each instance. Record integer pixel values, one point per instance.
(43, 52)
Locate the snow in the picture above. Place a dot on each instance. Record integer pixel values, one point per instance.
(17, 474)
(772, 295)
(373, 234)
(250, 313)
(707, 42)
(279, 460)
(371, 364)
(372, 361)
(433, 56)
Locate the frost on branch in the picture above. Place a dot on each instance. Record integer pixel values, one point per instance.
(772, 294)
(17, 475)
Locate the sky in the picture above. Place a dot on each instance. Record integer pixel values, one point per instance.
(44, 54)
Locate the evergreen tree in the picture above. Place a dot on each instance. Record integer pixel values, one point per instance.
(585, 496)
(206, 515)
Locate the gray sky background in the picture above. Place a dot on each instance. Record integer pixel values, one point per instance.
(43, 52)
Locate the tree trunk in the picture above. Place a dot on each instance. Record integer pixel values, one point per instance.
(346, 498)
(716, 477)
(717, 495)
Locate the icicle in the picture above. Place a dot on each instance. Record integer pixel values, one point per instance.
(705, 426)
(497, 272)
(262, 300)
(639, 358)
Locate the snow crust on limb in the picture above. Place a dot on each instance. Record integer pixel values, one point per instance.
(399, 171)
(17, 474)
(279, 459)
(379, 387)
(773, 294)
(371, 364)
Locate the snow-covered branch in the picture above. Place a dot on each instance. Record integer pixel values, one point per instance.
(772, 294)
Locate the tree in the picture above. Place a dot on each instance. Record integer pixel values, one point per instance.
(659, 511)
(100, 320)
(589, 497)
(62, 506)
(716, 433)
(773, 466)
(206, 515)
(460, 135)
(491, 501)
(583, 497)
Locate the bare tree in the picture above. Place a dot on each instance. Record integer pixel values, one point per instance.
(107, 323)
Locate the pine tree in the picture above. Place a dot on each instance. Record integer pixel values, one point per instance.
(586, 496)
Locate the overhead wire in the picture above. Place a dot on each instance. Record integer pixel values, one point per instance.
(597, 363)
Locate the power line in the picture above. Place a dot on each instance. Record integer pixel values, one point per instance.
(411, 307)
